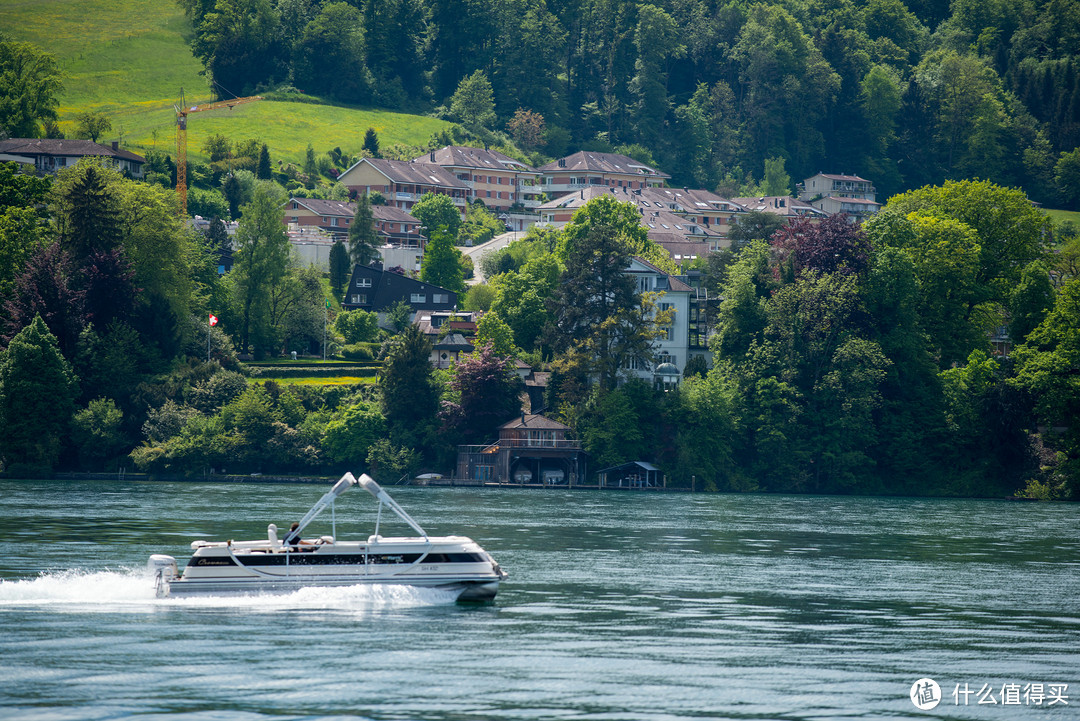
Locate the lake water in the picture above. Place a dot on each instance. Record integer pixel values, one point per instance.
(618, 606)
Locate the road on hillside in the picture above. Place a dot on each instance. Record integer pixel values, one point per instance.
(479, 251)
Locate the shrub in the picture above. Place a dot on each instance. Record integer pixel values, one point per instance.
(358, 351)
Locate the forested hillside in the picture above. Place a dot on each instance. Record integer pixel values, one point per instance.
(906, 95)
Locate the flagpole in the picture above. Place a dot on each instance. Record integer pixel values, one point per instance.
(208, 326)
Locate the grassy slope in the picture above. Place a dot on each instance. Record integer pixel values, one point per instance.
(129, 59)
(1060, 216)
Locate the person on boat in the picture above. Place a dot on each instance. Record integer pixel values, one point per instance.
(294, 538)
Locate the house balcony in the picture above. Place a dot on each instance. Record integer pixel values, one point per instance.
(524, 444)
(404, 196)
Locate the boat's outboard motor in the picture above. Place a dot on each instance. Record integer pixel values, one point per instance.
(163, 569)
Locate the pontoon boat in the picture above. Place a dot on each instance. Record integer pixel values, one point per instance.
(274, 565)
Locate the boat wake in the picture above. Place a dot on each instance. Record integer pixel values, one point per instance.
(133, 590)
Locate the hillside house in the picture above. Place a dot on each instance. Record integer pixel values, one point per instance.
(686, 335)
(610, 170)
(531, 449)
(665, 226)
(403, 183)
(376, 290)
(49, 155)
(506, 186)
(394, 225)
(783, 205)
(841, 194)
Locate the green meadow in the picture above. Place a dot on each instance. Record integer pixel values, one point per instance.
(1060, 216)
(130, 58)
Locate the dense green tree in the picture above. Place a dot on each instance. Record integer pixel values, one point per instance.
(786, 86)
(741, 319)
(473, 104)
(37, 398)
(704, 453)
(656, 40)
(435, 211)
(602, 323)
(1010, 232)
(330, 57)
(357, 326)
(29, 84)
(350, 436)
(1067, 178)
(240, 42)
(96, 433)
(87, 209)
(408, 396)
(521, 299)
(92, 124)
(441, 263)
(611, 428)
(1031, 300)
(493, 330)
(1046, 368)
(754, 225)
(260, 264)
(776, 180)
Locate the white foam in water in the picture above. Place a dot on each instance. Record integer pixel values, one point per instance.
(133, 589)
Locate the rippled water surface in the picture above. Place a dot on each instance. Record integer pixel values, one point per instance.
(618, 606)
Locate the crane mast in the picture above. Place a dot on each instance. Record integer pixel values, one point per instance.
(182, 111)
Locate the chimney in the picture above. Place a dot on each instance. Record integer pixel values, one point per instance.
(115, 145)
(523, 418)
(433, 156)
(583, 195)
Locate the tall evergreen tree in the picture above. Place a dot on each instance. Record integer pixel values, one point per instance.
(363, 239)
(263, 169)
(371, 143)
(339, 268)
(87, 210)
(37, 398)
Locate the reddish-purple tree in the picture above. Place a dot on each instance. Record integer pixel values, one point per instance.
(833, 245)
(46, 287)
(490, 390)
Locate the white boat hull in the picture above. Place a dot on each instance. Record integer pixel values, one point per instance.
(454, 563)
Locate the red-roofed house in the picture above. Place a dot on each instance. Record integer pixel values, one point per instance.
(585, 168)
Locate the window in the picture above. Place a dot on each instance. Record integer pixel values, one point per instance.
(418, 298)
(333, 222)
(363, 282)
(440, 297)
(359, 299)
(644, 284)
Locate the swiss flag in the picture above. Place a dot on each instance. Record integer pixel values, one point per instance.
(213, 319)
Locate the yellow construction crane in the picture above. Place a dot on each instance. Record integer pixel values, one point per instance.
(182, 111)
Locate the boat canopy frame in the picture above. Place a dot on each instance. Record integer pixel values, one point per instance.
(346, 482)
